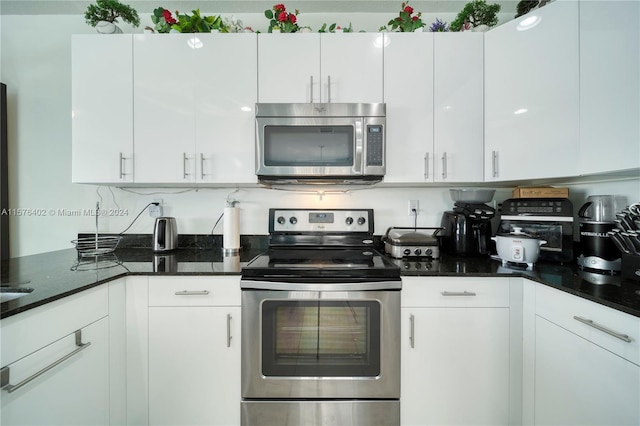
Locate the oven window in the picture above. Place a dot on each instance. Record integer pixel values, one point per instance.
(321, 338)
(308, 146)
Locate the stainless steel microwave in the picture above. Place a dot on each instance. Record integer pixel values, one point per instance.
(320, 143)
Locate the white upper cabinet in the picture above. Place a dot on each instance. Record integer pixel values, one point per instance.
(609, 86)
(458, 107)
(164, 104)
(102, 108)
(532, 95)
(226, 93)
(194, 112)
(320, 67)
(408, 95)
(435, 115)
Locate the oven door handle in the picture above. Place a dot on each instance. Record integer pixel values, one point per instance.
(359, 286)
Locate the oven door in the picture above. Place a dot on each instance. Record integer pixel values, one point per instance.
(320, 344)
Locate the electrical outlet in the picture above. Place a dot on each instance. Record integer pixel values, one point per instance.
(156, 211)
(413, 205)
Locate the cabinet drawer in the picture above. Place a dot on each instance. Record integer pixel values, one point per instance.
(29, 331)
(455, 292)
(194, 291)
(606, 327)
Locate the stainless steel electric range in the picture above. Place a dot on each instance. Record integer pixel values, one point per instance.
(321, 323)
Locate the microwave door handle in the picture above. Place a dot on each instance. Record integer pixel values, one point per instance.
(359, 147)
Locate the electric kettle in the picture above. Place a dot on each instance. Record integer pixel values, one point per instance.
(165, 234)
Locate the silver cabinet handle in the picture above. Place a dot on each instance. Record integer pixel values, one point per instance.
(311, 88)
(229, 330)
(192, 293)
(184, 165)
(328, 89)
(444, 165)
(604, 329)
(412, 329)
(4, 373)
(458, 293)
(202, 173)
(426, 166)
(122, 173)
(494, 163)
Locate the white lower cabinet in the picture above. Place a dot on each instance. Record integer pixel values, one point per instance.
(455, 351)
(65, 380)
(194, 351)
(587, 360)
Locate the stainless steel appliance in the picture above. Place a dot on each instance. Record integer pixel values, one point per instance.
(400, 242)
(549, 219)
(597, 217)
(320, 143)
(320, 324)
(467, 229)
(165, 234)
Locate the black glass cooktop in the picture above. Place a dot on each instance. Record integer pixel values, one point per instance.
(305, 264)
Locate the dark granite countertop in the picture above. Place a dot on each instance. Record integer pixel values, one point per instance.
(61, 273)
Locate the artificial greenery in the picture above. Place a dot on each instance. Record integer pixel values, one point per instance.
(474, 13)
(110, 11)
(524, 6)
(164, 22)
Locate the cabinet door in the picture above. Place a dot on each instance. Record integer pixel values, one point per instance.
(194, 365)
(102, 108)
(164, 102)
(351, 67)
(532, 95)
(409, 97)
(225, 108)
(288, 64)
(73, 392)
(455, 366)
(580, 383)
(458, 107)
(609, 86)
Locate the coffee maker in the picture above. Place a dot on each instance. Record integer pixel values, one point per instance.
(466, 230)
(596, 218)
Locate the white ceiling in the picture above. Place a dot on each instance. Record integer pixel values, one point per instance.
(65, 7)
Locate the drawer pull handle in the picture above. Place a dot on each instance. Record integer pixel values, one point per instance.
(192, 293)
(458, 293)
(604, 329)
(4, 373)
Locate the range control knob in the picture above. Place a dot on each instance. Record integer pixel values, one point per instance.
(406, 252)
(349, 220)
(417, 252)
(293, 220)
(361, 220)
(281, 220)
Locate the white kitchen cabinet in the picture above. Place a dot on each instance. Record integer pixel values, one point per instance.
(408, 95)
(67, 341)
(102, 108)
(435, 115)
(194, 350)
(327, 67)
(609, 86)
(532, 95)
(458, 99)
(194, 98)
(587, 362)
(455, 351)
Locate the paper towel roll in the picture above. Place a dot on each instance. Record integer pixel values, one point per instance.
(231, 230)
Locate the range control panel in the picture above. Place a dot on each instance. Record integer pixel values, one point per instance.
(320, 221)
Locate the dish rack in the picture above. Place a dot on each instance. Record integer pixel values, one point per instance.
(97, 245)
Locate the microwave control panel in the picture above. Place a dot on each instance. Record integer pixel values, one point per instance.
(375, 138)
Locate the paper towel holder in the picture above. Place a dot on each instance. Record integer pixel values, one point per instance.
(231, 232)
